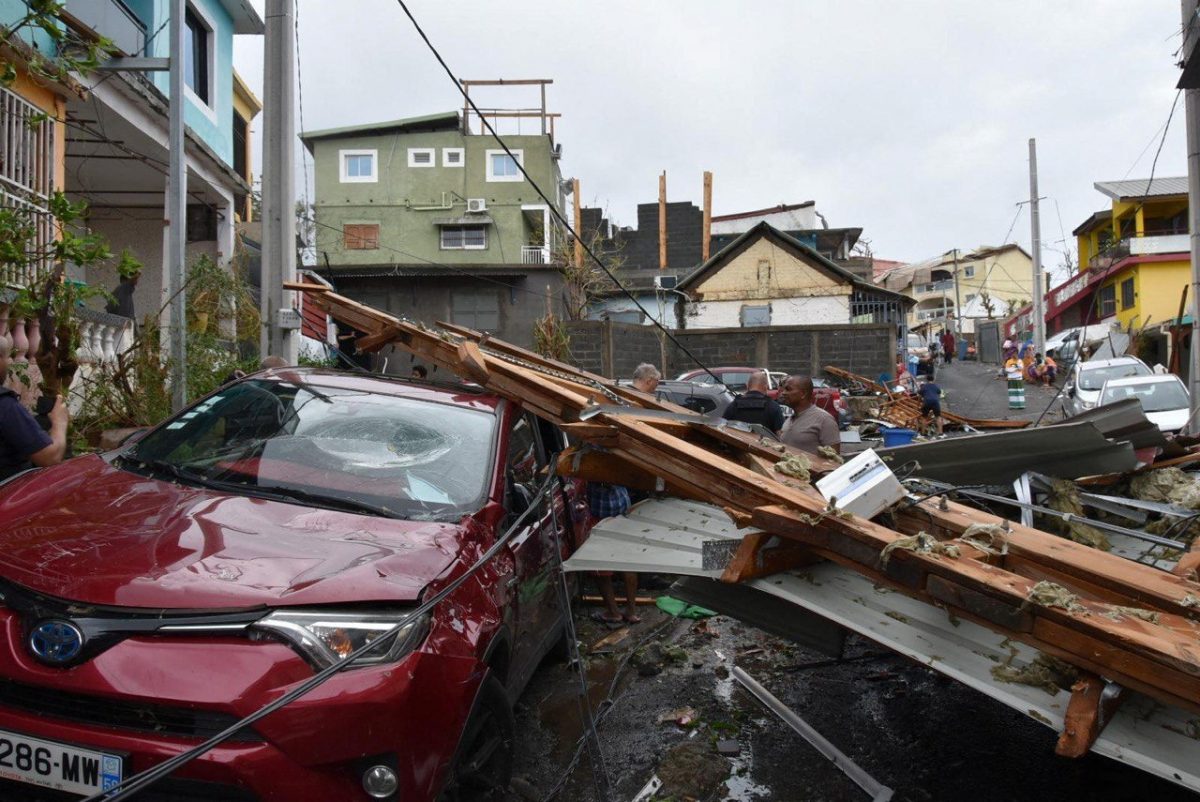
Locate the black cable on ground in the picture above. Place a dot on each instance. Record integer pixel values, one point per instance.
(138, 782)
(549, 203)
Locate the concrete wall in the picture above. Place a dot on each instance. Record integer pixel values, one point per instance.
(614, 349)
(795, 311)
(429, 299)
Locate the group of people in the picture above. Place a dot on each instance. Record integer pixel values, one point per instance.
(1022, 362)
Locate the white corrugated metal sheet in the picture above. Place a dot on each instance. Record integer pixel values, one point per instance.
(1137, 187)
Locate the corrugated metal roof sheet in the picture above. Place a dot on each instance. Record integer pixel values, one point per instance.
(1137, 187)
(445, 119)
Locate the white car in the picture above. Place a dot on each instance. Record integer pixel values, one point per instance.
(1082, 391)
(1164, 398)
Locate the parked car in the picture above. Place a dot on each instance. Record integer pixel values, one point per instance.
(701, 398)
(1082, 389)
(825, 396)
(917, 346)
(155, 595)
(1164, 398)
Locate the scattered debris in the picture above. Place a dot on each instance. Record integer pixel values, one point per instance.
(688, 771)
(796, 466)
(1171, 485)
(1063, 496)
(829, 453)
(1046, 672)
(988, 538)
(729, 748)
(920, 543)
(683, 716)
(1118, 612)
(1049, 594)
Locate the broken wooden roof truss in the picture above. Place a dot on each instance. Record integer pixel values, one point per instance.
(1128, 623)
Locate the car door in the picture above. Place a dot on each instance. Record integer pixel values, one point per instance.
(532, 585)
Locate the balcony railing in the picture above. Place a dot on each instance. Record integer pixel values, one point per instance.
(535, 255)
(1158, 243)
(936, 286)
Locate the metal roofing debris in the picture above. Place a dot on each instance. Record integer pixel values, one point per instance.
(1142, 733)
(1143, 188)
(1123, 420)
(427, 122)
(1065, 451)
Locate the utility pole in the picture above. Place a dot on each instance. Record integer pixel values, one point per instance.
(662, 221)
(1039, 314)
(176, 254)
(957, 300)
(279, 320)
(707, 227)
(1192, 110)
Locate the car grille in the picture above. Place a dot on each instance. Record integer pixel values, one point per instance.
(150, 718)
(167, 790)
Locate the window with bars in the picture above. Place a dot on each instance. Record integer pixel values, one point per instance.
(470, 238)
(27, 182)
(1127, 294)
(1106, 301)
(360, 236)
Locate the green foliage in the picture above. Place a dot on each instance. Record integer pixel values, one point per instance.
(74, 53)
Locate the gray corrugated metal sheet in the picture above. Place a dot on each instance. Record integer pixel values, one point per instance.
(1136, 187)
(427, 122)
(1066, 451)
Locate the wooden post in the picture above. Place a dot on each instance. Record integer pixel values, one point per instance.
(704, 244)
(543, 88)
(662, 221)
(578, 224)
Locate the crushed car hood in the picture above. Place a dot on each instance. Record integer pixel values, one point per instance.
(91, 533)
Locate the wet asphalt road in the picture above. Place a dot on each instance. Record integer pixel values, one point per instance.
(923, 735)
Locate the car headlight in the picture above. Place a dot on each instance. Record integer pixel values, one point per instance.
(327, 638)
(1086, 404)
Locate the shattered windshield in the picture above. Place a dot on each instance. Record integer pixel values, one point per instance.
(350, 449)
(1094, 378)
(1155, 396)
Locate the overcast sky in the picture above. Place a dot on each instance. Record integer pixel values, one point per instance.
(908, 118)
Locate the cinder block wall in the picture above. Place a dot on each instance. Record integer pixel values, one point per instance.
(615, 349)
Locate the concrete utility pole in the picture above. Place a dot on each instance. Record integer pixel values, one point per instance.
(957, 300)
(175, 257)
(1035, 243)
(1192, 110)
(279, 320)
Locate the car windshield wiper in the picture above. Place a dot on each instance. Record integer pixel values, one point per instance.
(163, 467)
(297, 494)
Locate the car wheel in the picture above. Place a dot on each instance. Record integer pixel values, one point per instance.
(483, 764)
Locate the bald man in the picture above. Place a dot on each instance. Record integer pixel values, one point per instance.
(753, 406)
(23, 444)
(810, 427)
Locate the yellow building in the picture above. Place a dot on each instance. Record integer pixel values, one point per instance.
(1136, 254)
(245, 108)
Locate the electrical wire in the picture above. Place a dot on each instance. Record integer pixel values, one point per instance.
(549, 203)
(137, 782)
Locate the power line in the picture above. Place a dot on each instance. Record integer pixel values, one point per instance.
(549, 203)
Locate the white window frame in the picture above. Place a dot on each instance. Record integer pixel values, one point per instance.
(462, 157)
(414, 152)
(519, 155)
(969, 271)
(464, 247)
(208, 109)
(358, 179)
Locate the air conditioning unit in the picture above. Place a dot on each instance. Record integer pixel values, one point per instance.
(666, 282)
(477, 204)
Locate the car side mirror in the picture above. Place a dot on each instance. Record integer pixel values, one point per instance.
(519, 499)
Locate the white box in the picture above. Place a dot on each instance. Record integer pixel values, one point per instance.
(863, 486)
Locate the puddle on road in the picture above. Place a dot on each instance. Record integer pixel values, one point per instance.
(740, 787)
(559, 712)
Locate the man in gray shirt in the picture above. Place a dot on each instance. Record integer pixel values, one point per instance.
(810, 427)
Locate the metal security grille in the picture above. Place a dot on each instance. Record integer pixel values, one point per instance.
(27, 181)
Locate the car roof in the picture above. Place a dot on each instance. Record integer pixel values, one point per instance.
(453, 391)
(1107, 363)
(1126, 381)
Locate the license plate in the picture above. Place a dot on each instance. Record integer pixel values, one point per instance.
(56, 765)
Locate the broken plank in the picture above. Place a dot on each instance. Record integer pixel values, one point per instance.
(1093, 702)
(472, 362)
(761, 555)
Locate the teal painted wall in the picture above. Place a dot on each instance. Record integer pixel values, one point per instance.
(12, 11)
(407, 234)
(213, 125)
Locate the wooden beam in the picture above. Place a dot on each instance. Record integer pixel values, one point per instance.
(662, 221)
(761, 555)
(706, 232)
(505, 81)
(1093, 702)
(472, 362)
(577, 203)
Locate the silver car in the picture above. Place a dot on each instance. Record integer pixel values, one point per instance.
(1082, 390)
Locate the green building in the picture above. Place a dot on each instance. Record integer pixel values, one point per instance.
(424, 220)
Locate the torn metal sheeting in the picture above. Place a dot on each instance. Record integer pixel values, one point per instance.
(1144, 733)
(763, 611)
(1123, 420)
(999, 458)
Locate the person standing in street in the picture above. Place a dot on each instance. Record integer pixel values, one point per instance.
(23, 444)
(948, 345)
(753, 406)
(931, 403)
(810, 427)
(609, 501)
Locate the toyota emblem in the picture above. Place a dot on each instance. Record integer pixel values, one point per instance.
(56, 642)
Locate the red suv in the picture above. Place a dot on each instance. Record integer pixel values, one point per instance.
(735, 379)
(156, 595)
